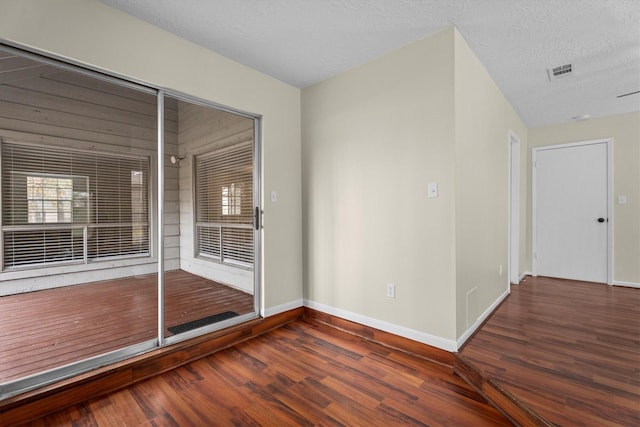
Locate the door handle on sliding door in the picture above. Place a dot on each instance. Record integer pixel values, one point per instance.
(256, 218)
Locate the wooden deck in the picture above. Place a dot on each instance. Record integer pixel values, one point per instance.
(567, 352)
(48, 329)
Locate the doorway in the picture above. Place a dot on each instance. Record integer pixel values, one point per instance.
(572, 227)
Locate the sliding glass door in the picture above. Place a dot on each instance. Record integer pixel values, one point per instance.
(128, 219)
(211, 242)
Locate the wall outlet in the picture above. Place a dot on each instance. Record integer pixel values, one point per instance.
(391, 290)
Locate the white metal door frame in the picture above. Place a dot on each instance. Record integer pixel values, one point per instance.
(514, 208)
(610, 222)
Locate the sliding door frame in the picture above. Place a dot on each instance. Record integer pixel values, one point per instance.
(258, 310)
(41, 379)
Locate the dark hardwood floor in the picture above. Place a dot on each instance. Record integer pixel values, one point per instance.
(304, 373)
(555, 353)
(47, 329)
(567, 350)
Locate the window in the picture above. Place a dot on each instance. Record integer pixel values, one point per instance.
(61, 205)
(224, 205)
(232, 200)
(49, 199)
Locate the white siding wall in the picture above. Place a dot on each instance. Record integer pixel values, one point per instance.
(75, 111)
(202, 130)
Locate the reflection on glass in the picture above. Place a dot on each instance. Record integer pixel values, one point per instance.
(209, 204)
(77, 270)
(79, 224)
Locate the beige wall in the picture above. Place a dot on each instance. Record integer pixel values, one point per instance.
(373, 138)
(483, 119)
(624, 129)
(88, 32)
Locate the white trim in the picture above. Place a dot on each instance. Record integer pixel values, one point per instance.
(534, 219)
(610, 217)
(258, 290)
(392, 328)
(525, 274)
(513, 253)
(160, 249)
(534, 243)
(272, 311)
(481, 319)
(627, 284)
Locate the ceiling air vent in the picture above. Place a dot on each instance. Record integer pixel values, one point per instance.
(560, 71)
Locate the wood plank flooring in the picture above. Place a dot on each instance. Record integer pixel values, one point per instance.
(47, 329)
(568, 350)
(302, 374)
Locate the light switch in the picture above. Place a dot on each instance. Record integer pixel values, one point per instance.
(432, 190)
(274, 196)
(622, 200)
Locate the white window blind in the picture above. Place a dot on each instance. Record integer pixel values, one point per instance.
(224, 204)
(61, 205)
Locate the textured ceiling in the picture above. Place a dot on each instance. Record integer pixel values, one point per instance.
(302, 42)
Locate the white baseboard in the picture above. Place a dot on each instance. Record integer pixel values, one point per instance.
(522, 276)
(481, 319)
(525, 274)
(627, 284)
(392, 328)
(272, 311)
(614, 283)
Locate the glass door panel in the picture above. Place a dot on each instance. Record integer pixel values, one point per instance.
(209, 218)
(77, 276)
(81, 233)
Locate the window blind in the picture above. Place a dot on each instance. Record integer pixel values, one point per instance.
(224, 204)
(64, 205)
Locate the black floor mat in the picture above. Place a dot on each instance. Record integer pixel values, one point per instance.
(184, 327)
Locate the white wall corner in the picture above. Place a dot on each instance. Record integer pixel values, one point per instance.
(481, 319)
(272, 311)
(525, 274)
(412, 334)
(627, 284)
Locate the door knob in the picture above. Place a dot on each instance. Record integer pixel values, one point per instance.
(600, 219)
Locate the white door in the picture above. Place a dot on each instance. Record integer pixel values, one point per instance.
(571, 211)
